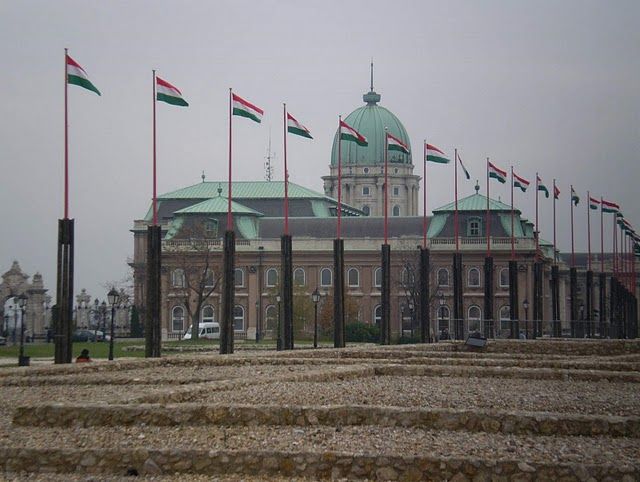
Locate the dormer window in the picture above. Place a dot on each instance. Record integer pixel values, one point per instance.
(211, 228)
(474, 227)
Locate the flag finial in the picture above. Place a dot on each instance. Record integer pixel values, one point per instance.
(219, 189)
(371, 90)
(477, 186)
(371, 97)
(203, 176)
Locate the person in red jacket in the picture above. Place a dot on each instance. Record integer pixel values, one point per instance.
(84, 357)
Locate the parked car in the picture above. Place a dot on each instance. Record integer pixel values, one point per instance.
(209, 330)
(87, 335)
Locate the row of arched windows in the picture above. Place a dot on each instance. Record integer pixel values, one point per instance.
(178, 278)
(179, 323)
(473, 277)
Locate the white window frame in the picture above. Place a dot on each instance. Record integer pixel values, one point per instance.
(377, 320)
(177, 278)
(438, 277)
(503, 270)
(238, 284)
(376, 276)
(209, 279)
(357, 284)
(174, 318)
(237, 318)
(304, 277)
(469, 278)
(396, 208)
(322, 271)
(208, 319)
(366, 191)
(266, 277)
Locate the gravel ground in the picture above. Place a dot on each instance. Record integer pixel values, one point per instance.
(165, 478)
(350, 439)
(603, 398)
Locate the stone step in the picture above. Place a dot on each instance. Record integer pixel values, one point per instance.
(197, 414)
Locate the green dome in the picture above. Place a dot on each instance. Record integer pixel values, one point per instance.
(370, 121)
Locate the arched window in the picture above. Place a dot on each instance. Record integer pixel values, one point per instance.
(474, 227)
(377, 315)
(443, 316)
(396, 210)
(377, 277)
(177, 319)
(271, 318)
(207, 314)
(504, 278)
(177, 278)
(474, 315)
(299, 277)
(326, 277)
(366, 210)
(353, 277)
(443, 277)
(505, 318)
(406, 278)
(238, 318)
(473, 278)
(209, 279)
(238, 277)
(271, 277)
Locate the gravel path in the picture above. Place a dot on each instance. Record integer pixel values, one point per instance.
(603, 398)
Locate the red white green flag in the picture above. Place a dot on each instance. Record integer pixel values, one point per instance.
(76, 75)
(610, 207)
(246, 109)
(165, 92)
(395, 144)
(575, 199)
(294, 127)
(433, 154)
(466, 173)
(542, 187)
(556, 192)
(520, 182)
(497, 173)
(594, 203)
(348, 133)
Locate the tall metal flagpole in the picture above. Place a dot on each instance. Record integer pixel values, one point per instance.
(537, 225)
(455, 217)
(286, 172)
(66, 137)
(601, 238)
(487, 216)
(573, 251)
(513, 246)
(589, 230)
(424, 198)
(386, 184)
(615, 246)
(339, 225)
(229, 215)
(555, 255)
(155, 194)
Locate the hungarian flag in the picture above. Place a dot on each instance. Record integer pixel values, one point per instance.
(497, 173)
(556, 192)
(165, 92)
(294, 127)
(466, 173)
(348, 133)
(610, 207)
(395, 144)
(246, 109)
(575, 199)
(593, 203)
(77, 76)
(542, 187)
(433, 154)
(520, 182)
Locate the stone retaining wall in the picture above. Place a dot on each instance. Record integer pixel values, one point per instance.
(314, 465)
(491, 421)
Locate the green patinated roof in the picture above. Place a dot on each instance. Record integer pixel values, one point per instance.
(475, 202)
(370, 121)
(243, 189)
(217, 205)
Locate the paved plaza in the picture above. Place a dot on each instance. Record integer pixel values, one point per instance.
(519, 410)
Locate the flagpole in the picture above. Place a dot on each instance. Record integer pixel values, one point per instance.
(339, 226)
(513, 248)
(386, 185)
(455, 217)
(487, 215)
(229, 216)
(601, 238)
(537, 228)
(555, 257)
(573, 253)
(424, 198)
(286, 173)
(155, 194)
(615, 246)
(589, 228)
(66, 137)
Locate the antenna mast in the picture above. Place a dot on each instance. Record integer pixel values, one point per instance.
(268, 166)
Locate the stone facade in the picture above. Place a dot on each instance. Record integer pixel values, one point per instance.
(16, 283)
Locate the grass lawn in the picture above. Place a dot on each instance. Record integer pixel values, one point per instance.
(96, 350)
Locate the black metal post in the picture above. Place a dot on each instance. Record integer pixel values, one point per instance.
(538, 310)
(22, 360)
(513, 299)
(228, 293)
(287, 290)
(153, 325)
(385, 325)
(338, 294)
(602, 305)
(573, 302)
(555, 301)
(589, 311)
(425, 325)
(458, 317)
(64, 292)
(113, 315)
(259, 302)
(489, 324)
(315, 324)
(280, 337)
(526, 321)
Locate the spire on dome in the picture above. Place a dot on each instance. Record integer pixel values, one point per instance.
(372, 97)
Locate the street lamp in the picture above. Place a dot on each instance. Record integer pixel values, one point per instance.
(23, 361)
(279, 338)
(315, 297)
(582, 330)
(410, 305)
(257, 321)
(525, 305)
(113, 296)
(440, 317)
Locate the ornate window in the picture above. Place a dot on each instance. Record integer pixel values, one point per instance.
(396, 210)
(407, 278)
(271, 277)
(474, 315)
(271, 318)
(396, 191)
(353, 277)
(299, 277)
(326, 277)
(473, 278)
(505, 318)
(474, 227)
(377, 277)
(443, 277)
(366, 191)
(177, 278)
(504, 278)
(177, 319)
(377, 315)
(366, 210)
(238, 318)
(443, 316)
(209, 279)
(238, 276)
(207, 314)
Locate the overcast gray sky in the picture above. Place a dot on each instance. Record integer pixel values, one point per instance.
(548, 86)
